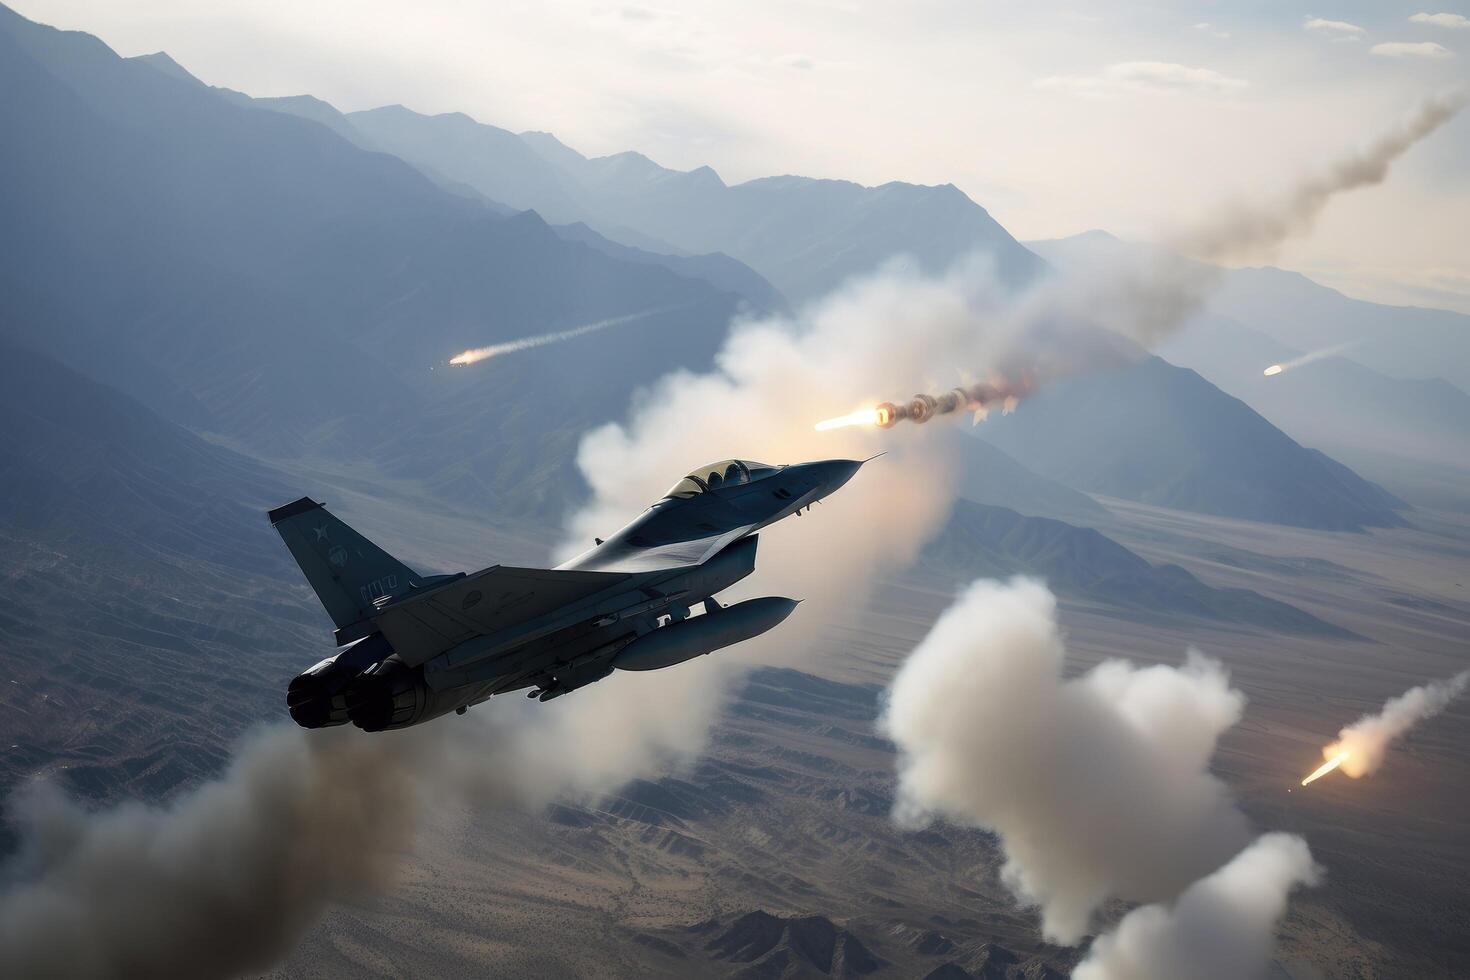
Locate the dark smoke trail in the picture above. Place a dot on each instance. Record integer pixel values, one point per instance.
(227, 878)
(224, 880)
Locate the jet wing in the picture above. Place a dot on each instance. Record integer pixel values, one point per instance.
(630, 558)
(423, 626)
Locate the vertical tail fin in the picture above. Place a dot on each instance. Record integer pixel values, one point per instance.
(349, 573)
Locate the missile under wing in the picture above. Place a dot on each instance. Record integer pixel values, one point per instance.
(413, 647)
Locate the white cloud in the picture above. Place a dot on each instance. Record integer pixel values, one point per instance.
(1331, 26)
(1145, 77)
(1411, 49)
(1454, 22)
(1098, 785)
(1205, 27)
(1221, 928)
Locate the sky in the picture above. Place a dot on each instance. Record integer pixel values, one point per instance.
(1129, 116)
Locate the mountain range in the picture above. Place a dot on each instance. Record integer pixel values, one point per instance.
(1381, 377)
(783, 227)
(1161, 434)
(266, 271)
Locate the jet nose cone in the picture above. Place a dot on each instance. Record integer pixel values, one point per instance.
(836, 472)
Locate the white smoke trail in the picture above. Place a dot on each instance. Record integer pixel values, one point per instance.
(1221, 928)
(1098, 786)
(1308, 358)
(1365, 742)
(1246, 230)
(477, 354)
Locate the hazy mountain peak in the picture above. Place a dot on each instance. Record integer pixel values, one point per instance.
(164, 63)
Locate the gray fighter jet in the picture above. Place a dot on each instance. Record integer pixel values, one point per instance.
(415, 647)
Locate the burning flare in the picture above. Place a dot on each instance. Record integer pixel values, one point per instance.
(1326, 767)
(475, 354)
(1309, 357)
(1362, 746)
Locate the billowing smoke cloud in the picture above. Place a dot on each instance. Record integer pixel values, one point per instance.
(1247, 230)
(1098, 786)
(229, 876)
(223, 880)
(476, 354)
(773, 379)
(1221, 928)
(1363, 744)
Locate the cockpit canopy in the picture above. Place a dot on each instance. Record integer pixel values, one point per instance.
(725, 473)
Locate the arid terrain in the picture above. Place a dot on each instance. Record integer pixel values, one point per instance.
(775, 855)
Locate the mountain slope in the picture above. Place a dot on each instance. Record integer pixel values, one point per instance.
(1160, 434)
(279, 284)
(1411, 434)
(150, 613)
(82, 464)
(715, 268)
(1077, 561)
(1335, 402)
(1400, 341)
(989, 476)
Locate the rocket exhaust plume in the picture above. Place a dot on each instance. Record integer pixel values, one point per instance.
(1144, 301)
(977, 400)
(1316, 355)
(477, 354)
(1361, 747)
(1325, 768)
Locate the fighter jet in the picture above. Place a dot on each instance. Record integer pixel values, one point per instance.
(414, 647)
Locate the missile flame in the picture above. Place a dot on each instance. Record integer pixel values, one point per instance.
(1274, 370)
(975, 399)
(863, 416)
(1327, 767)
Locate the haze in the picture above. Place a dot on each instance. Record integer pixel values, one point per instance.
(1057, 117)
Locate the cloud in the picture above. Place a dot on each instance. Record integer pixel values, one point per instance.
(1098, 786)
(1205, 27)
(1411, 49)
(1454, 22)
(1332, 26)
(1145, 77)
(1222, 928)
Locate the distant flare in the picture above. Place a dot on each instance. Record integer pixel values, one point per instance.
(476, 354)
(1309, 357)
